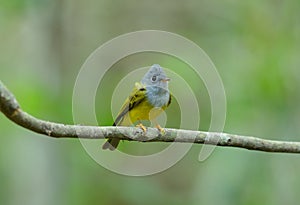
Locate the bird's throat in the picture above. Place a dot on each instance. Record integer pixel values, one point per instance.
(157, 96)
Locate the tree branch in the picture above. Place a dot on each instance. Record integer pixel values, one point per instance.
(11, 109)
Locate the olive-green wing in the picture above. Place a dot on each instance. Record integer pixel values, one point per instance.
(137, 96)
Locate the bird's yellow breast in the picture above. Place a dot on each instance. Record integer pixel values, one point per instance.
(142, 111)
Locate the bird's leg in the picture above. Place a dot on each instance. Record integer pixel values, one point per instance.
(140, 125)
(160, 129)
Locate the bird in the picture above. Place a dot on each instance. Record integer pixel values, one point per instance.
(148, 99)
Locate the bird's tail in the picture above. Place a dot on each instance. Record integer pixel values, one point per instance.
(111, 144)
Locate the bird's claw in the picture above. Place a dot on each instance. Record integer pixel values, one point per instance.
(160, 129)
(142, 127)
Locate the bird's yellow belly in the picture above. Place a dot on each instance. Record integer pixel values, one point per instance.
(143, 111)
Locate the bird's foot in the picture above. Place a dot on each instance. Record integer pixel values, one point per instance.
(140, 125)
(160, 129)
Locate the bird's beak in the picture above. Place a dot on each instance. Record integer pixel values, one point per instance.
(166, 79)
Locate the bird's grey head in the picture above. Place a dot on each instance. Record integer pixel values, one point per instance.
(156, 77)
(156, 83)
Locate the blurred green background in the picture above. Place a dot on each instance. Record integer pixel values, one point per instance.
(255, 46)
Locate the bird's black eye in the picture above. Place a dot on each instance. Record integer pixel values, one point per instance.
(153, 78)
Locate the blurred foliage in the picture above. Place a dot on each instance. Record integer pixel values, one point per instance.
(255, 47)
